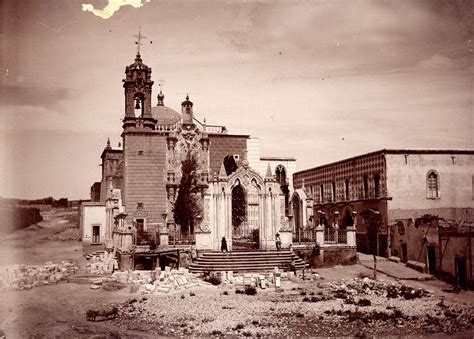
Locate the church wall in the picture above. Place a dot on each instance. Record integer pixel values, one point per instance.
(144, 177)
(223, 144)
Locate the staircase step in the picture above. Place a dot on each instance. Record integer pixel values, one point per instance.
(245, 261)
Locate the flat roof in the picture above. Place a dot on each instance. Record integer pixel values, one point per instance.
(93, 203)
(278, 158)
(390, 151)
(226, 135)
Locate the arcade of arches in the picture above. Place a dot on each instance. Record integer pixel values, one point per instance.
(326, 226)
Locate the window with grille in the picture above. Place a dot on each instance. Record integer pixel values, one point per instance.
(432, 185)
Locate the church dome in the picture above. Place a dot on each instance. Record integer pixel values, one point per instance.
(164, 115)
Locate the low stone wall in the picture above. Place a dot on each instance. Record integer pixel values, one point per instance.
(15, 218)
(328, 256)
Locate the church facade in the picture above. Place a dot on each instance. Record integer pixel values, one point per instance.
(133, 205)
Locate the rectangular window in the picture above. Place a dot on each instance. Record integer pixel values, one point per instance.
(377, 185)
(366, 186)
(346, 189)
(321, 193)
(333, 191)
(140, 225)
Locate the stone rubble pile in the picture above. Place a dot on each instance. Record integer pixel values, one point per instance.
(345, 289)
(261, 280)
(103, 263)
(25, 277)
(149, 282)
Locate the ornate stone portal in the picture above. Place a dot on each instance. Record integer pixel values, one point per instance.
(265, 209)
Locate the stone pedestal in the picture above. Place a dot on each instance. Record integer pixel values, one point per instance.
(351, 236)
(286, 239)
(122, 240)
(204, 241)
(125, 261)
(319, 234)
(164, 238)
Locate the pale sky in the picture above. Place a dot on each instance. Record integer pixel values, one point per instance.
(316, 80)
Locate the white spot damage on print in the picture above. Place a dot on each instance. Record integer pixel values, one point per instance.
(112, 7)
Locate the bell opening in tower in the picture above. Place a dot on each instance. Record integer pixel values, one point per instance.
(138, 109)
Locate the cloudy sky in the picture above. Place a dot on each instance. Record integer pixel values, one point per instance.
(316, 80)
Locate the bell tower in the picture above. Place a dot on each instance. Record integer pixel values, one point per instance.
(138, 87)
(187, 111)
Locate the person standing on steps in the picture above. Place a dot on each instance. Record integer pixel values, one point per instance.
(224, 245)
(278, 242)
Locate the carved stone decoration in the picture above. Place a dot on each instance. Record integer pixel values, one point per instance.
(206, 218)
(187, 140)
(383, 189)
(371, 186)
(140, 214)
(284, 222)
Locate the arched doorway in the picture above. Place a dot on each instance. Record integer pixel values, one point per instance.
(347, 221)
(297, 212)
(245, 216)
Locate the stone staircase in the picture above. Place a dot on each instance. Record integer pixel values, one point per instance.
(245, 261)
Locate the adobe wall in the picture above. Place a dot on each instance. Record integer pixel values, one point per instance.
(14, 218)
(92, 214)
(456, 247)
(145, 176)
(406, 184)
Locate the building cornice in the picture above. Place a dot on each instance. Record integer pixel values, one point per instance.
(389, 151)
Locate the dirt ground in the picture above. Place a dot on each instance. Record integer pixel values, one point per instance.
(304, 308)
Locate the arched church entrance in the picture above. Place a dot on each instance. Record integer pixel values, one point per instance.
(297, 212)
(245, 216)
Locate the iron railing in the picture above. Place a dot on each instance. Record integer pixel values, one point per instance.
(329, 234)
(304, 236)
(145, 238)
(178, 238)
(342, 236)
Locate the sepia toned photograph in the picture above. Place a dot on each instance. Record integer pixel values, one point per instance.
(208, 168)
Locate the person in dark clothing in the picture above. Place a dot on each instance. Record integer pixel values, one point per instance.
(293, 266)
(224, 245)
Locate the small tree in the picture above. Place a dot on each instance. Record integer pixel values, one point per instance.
(372, 220)
(187, 206)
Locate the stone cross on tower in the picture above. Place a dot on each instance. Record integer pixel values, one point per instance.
(161, 84)
(139, 37)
